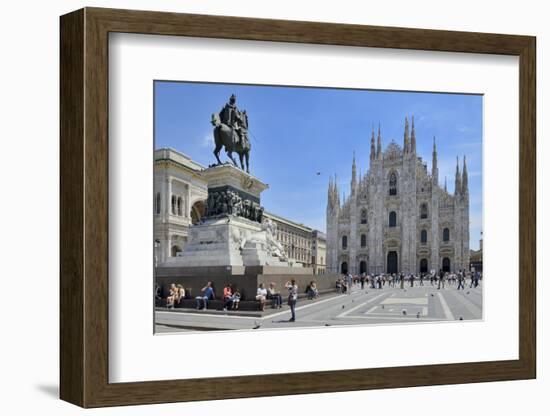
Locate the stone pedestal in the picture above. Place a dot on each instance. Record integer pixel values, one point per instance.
(216, 242)
(229, 177)
(231, 245)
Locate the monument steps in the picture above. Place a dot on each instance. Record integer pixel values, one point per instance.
(189, 304)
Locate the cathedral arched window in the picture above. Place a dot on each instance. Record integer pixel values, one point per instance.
(180, 206)
(157, 203)
(344, 242)
(393, 184)
(423, 236)
(363, 240)
(446, 234)
(392, 219)
(423, 211)
(363, 216)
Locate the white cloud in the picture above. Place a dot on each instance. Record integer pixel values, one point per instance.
(207, 140)
(464, 129)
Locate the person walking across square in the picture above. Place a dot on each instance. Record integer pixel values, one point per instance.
(292, 298)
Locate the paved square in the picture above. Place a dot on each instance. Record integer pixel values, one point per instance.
(388, 305)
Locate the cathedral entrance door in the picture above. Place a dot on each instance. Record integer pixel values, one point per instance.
(392, 262)
(344, 268)
(363, 267)
(446, 266)
(424, 266)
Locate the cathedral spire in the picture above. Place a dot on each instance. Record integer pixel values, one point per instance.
(413, 138)
(458, 182)
(336, 191)
(379, 145)
(435, 170)
(331, 194)
(353, 175)
(464, 178)
(445, 183)
(372, 148)
(406, 137)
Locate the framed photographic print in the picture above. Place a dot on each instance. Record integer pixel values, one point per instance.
(281, 207)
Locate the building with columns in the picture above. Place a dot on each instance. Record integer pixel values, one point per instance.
(295, 238)
(397, 218)
(180, 192)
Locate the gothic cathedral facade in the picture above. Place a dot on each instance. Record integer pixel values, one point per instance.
(397, 218)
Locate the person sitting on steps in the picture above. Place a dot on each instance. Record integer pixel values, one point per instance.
(207, 294)
(274, 296)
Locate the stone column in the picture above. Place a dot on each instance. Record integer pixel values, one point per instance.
(456, 237)
(169, 197)
(187, 203)
(382, 216)
(435, 261)
(168, 246)
(352, 243)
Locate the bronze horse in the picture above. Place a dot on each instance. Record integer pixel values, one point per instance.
(225, 136)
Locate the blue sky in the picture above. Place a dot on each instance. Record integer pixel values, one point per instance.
(297, 132)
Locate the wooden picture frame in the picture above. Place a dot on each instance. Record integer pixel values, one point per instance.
(84, 207)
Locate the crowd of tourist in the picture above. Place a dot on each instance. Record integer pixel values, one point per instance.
(231, 296)
(459, 279)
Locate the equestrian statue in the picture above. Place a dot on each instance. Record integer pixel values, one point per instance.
(231, 132)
